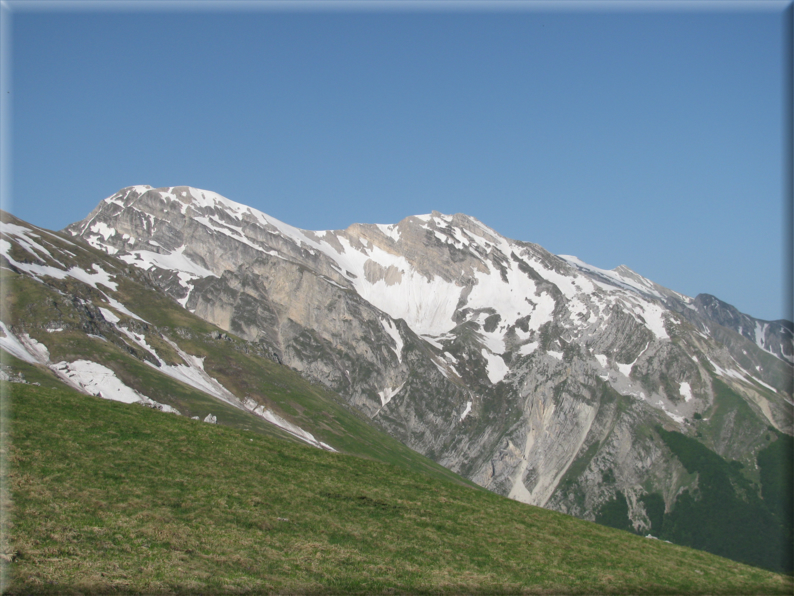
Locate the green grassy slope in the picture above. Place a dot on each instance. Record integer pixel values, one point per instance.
(109, 497)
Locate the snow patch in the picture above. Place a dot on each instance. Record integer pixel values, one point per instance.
(27, 239)
(527, 349)
(676, 417)
(566, 283)
(108, 316)
(191, 373)
(433, 341)
(726, 372)
(390, 230)
(760, 334)
(654, 319)
(625, 369)
(466, 411)
(685, 390)
(496, 367)
(441, 368)
(98, 380)
(119, 307)
(103, 230)
(426, 304)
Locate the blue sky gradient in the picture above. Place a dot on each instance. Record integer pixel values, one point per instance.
(641, 136)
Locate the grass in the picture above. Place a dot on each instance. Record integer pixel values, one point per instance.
(116, 498)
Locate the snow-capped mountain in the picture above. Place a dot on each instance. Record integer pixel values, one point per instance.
(535, 375)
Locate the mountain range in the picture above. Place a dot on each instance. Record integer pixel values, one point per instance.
(596, 393)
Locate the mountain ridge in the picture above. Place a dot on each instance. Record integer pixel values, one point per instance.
(366, 274)
(621, 275)
(477, 306)
(536, 376)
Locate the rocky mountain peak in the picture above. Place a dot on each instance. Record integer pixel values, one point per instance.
(491, 355)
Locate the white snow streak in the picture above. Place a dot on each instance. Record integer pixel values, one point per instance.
(394, 333)
(25, 347)
(387, 394)
(466, 411)
(296, 431)
(174, 261)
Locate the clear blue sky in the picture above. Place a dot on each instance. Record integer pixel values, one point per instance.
(641, 136)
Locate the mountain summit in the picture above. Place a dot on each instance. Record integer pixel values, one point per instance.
(535, 375)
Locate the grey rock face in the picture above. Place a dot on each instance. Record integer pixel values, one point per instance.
(537, 376)
(774, 337)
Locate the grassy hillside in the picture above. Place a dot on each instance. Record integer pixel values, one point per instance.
(110, 497)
